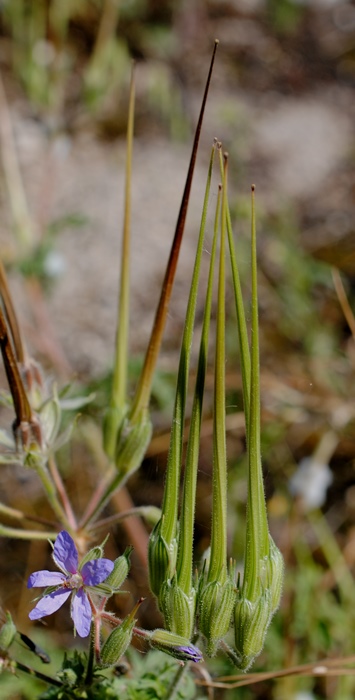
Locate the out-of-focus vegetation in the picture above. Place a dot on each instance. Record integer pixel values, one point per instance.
(75, 55)
(70, 61)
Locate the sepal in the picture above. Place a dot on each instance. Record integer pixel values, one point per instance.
(161, 559)
(178, 608)
(120, 571)
(175, 645)
(215, 609)
(251, 621)
(275, 570)
(132, 442)
(119, 640)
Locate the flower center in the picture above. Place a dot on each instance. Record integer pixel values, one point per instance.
(75, 581)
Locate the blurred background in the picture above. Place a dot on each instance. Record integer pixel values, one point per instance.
(282, 102)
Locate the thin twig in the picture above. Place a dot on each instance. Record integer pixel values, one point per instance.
(325, 667)
(57, 480)
(118, 517)
(20, 516)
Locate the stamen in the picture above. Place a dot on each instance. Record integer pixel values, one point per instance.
(75, 581)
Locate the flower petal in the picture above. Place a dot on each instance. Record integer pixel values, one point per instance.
(96, 570)
(81, 613)
(65, 553)
(45, 578)
(50, 603)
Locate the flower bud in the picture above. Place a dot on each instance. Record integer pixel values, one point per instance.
(69, 677)
(7, 633)
(178, 608)
(175, 645)
(132, 442)
(120, 571)
(93, 553)
(251, 621)
(216, 603)
(161, 559)
(50, 416)
(119, 640)
(32, 377)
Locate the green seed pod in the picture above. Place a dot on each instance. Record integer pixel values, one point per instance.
(7, 632)
(116, 645)
(120, 571)
(215, 607)
(178, 608)
(161, 560)
(132, 443)
(175, 645)
(251, 621)
(119, 640)
(275, 570)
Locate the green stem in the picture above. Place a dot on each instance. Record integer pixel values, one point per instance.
(180, 673)
(18, 515)
(47, 483)
(119, 387)
(257, 533)
(255, 388)
(91, 658)
(172, 484)
(241, 320)
(185, 549)
(111, 483)
(141, 511)
(217, 568)
(175, 683)
(61, 490)
(13, 532)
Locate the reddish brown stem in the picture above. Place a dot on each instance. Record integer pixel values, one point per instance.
(57, 479)
(21, 404)
(11, 316)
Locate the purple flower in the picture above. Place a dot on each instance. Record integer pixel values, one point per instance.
(72, 581)
(188, 653)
